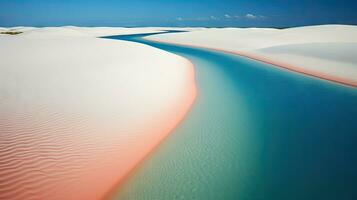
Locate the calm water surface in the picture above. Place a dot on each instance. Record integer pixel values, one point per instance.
(255, 132)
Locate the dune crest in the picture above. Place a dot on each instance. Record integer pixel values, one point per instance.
(77, 113)
(318, 51)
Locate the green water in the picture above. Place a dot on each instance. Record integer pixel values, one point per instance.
(255, 132)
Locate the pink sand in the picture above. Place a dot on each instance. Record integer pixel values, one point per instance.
(78, 113)
(290, 67)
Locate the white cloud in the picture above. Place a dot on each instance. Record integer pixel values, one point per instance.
(250, 16)
(227, 16)
(196, 19)
(201, 19)
(214, 18)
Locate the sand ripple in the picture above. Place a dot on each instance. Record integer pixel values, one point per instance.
(78, 113)
(47, 155)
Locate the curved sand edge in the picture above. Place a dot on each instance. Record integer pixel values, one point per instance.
(323, 51)
(114, 190)
(79, 113)
(276, 63)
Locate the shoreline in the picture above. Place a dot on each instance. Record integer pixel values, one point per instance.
(117, 187)
(265, 60)
(111, 117)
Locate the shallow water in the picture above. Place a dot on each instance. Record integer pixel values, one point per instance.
(255, 132)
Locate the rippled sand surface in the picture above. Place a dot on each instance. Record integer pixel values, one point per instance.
(78, 113)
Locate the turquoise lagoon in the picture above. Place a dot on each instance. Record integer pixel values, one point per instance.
(255, 132)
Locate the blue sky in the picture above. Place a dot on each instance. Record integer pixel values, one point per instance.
(211, 13)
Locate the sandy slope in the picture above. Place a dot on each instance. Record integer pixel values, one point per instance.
(323, 51)
(108, 31)
(78, 112)
(94, 31)
(81, 31)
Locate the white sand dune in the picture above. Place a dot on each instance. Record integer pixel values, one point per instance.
(108, 31)
(334, 59)
(77, 113)
(323, 51)
(21, 28)
(93, 31)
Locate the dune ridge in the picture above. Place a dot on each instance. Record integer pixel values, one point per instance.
(325, 51)
(78, 113)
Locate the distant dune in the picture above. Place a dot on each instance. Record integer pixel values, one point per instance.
(77, 113)
(326, 51)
